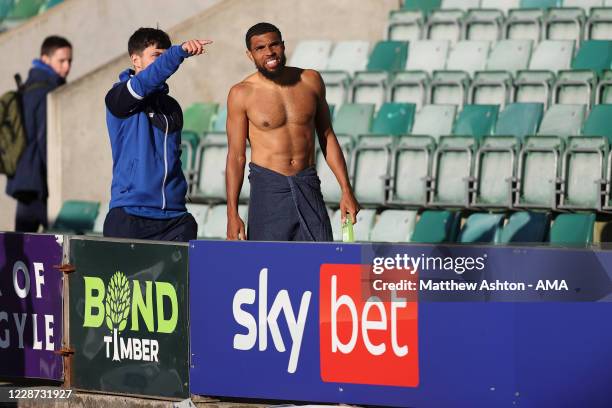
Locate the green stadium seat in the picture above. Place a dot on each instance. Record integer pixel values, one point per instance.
(584, 171)
(370, 87)
(311, 54)
(349, 56)
(538, 171)
(572, 229)
(361, 230)
(494, 172)
(562, 120)
(410, 87)
(598, 122)
(452, 171)
(394, 226)
(427, 55)
(504, 5)
(575, 87)
(98, 227)
(411, 170)
(476, 120)
(76, 216)
(394, 119)
(425, 6)
(594, 55)
(5, 8)
(218, 123)
(405, 25)
(564, 24)
(445, 25)
(370, 168)
(542, 4)
(552, 55)
(491, 88)
(199, 213)
(524, 227)
(329, 184)
(434, 120)
(519, 120)
(354, 119)
(388, 56)
(215, 226)
(480, 228)
(435, 227)
(484, 24)
(510, 55)
(533, 86)
(525, 24)
(24, 9)
(599, 24)
(199, 116)
(337, 86)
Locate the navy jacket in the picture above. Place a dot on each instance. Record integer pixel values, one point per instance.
(144, 125)
(30, 179)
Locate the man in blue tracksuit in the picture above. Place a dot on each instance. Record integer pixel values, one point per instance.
(29, 184)
(144, 124)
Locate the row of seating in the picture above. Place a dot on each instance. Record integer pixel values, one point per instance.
(391, 225)
(428, 6)
(15, 12)
(468, 19)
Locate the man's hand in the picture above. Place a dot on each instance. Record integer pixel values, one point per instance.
(348, 204)
(195, 47)
(235, 228)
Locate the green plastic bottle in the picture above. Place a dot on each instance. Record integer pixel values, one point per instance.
(347, 230)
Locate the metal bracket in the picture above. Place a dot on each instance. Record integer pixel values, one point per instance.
(65, 352)
(65, 268)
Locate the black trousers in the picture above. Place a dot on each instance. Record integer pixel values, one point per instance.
(119, 224)
(31, 215)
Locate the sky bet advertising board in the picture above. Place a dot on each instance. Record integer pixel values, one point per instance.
(401, 325)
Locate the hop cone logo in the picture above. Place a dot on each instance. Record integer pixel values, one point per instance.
(117, 302)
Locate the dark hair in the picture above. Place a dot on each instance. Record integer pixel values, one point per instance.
(259, 29)
(145, 37)
(52, 43)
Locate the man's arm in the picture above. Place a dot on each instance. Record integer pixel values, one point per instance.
(333, 153)
(237, 127)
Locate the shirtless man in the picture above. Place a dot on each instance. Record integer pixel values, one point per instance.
(278, 109)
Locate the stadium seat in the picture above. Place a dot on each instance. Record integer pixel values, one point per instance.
(445, 25)
(484, 24)
(76, 216)
(337, 87)
(425, 6)
(349, 57)
(564, 24)
(394, 226)
(542, 4)
(504, 5)
(452, 171)
(410, 87)
(572, 229)
(533, 86)
(599, 24)
(311, 54)
(405, 25)
(459, 4)
(552, 55)
(427, 55)
(603, 94)
(524, 24)
(199, 116)
(210, 162)
(585, 4)
(519, 120)
(524, 227)
(562, 120)
(434, 120)
(490, 88)
(329, 184)
(98, 227)
(353, 119)
(449, 88)
(5, 8)
(369, 87)
(411, 170)
(361, 230)
(394, 119)
(189, 146)
(598, 122)
(594, 55)
(199, 213)
(215, 226)
(476, 121)
(434, 227)
(509, 55)
(574, 87)
(370, 169)
(24, 9)
(494, 172)
(388, 56)
(480, 228)
(218, 123)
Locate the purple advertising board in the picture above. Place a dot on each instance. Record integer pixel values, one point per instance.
(30, 306)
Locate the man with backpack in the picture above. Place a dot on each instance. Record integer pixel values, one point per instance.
(27, 181)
